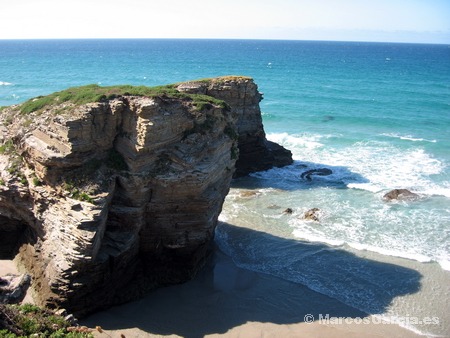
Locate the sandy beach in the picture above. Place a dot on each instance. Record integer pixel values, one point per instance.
(227, 301)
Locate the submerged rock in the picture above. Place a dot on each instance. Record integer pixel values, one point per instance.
(400, 194)
(249, 193)
(107, 199)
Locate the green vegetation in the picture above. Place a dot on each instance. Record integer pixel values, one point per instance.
(29, 320)
(16, 161)
(77, 194)
(231, 132)
(36, 181)
(7, 147)
(95, 93)
(201, 128)
(201, 101)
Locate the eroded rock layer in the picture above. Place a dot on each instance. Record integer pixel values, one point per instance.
(104, 201)
(256, 153)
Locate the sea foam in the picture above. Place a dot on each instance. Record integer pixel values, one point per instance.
(408, 137)
(376, 166)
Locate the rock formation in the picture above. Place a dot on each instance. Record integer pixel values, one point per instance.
(312, 214)
(400, 194)
(319, 172)
(108, 199)
(256, 153)
(13, 288)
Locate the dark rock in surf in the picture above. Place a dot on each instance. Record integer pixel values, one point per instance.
(312, 214)
(400, 194)
(317, 172)
(288, 211)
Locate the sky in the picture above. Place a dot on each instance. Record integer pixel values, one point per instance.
(426, 21)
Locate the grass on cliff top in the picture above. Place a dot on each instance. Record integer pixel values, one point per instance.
(94, 93)
(29, 320)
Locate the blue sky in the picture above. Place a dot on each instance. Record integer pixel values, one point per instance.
(347, 20)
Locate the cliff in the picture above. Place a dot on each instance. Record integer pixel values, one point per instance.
(108, 192)
(256, 153)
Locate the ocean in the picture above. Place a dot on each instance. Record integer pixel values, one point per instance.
(376, 114)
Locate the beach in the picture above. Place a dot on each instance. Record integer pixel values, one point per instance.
(373, 115)
(227, 301)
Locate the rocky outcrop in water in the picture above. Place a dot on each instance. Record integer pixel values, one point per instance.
(400, 194)
(309, 174)
(312, 215)
(105, 200)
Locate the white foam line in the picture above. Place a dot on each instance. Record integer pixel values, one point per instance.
(408, 138)
(387, 252)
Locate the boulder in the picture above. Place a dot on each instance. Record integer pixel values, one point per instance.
(315, 172)
(288, 211)
(13, 288)
(312, 215)
(400, 194)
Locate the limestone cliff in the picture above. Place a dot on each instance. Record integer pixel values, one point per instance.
(256, 153)
(105, 200)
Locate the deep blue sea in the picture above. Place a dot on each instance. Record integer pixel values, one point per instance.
(376, 114)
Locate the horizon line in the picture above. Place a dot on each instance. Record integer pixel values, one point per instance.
(220, 39)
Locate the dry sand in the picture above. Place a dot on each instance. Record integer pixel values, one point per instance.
(226, 301)
(9, 267)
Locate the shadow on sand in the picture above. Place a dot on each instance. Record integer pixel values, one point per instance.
(223, 296)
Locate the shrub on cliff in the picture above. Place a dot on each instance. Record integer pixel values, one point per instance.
(29, 320)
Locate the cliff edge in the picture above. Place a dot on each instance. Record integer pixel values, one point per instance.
(108, 192)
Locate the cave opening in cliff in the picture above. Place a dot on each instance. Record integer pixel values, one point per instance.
(13, 233)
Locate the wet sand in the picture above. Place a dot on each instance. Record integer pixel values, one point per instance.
(225, 300)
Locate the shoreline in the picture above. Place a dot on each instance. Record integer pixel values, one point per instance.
(227, 301)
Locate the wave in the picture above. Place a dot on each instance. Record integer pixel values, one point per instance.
(431, 190)
(2, 83)
(365, 247)
(407, 138)
(373, 166)
(397, 230)
(309, 141)
(351, 198)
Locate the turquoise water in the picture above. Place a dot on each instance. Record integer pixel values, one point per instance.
(376, 114)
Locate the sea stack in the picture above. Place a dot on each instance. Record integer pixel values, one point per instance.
(109, 192)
